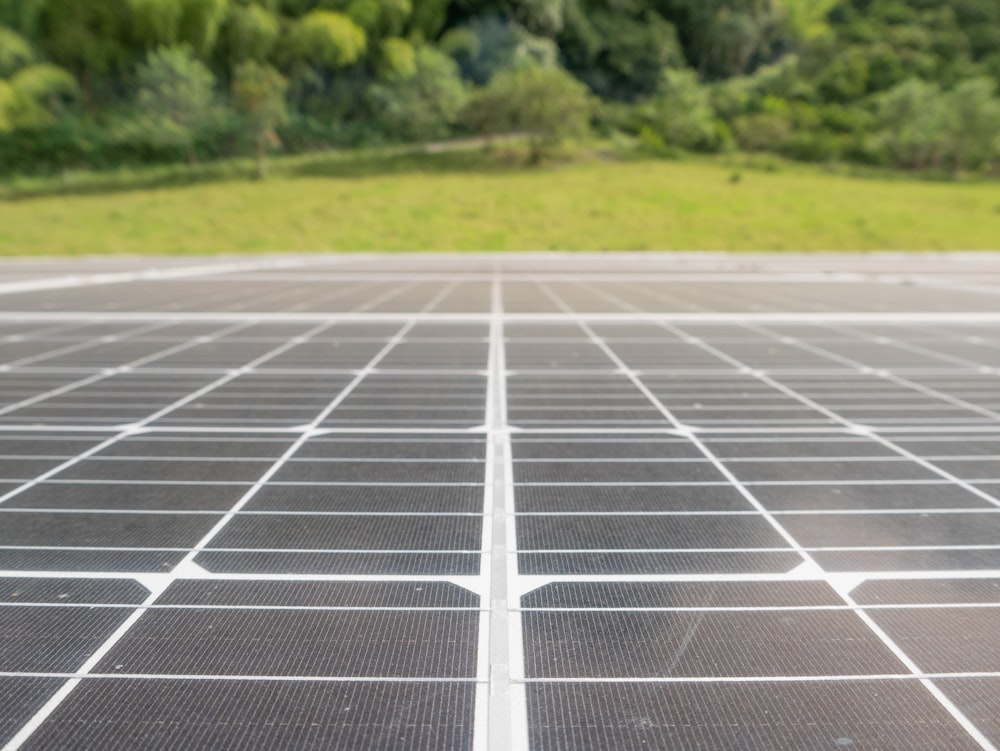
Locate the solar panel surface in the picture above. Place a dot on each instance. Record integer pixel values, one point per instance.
(537, 501)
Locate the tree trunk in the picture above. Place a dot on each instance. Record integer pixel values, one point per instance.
(261, 159)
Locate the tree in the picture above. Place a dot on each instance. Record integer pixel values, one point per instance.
(155, 23)
(396, 60)
(23, 16)
(8, 106)
(35, 95)
(199, 23)
(488, 45)
(681, 113)
(100, 40)
(913, 124)
(724, 37)
(87, 37)
(170, 23)
(542, 17)
(15, 52)
(620, 56)
(428, 18)
(547, 104)
(806, 19)
(423, 105)
(976, 122)
(325, 39)
(259, 92)
(378, 18)
(250, 32)
(176, 96)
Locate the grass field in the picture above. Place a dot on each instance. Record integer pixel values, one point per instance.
(444, 202)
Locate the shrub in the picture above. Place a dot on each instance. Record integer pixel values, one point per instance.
(259, 92)
(324, 38)
(423, 105)
(546, 104)
(682, 114)
(176, 97)
(764, 131)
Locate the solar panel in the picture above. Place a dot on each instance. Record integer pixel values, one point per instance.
(534, 501)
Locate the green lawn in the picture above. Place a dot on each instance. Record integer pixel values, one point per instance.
(588, 205)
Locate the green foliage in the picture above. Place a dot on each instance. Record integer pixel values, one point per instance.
(921, 126)
(811, 79)
(845, 78)
(461, 43)
(621, 56)
(397, 59)
(35, 96)
(7, 107)
(763, 131)
(15, 52)
(541, 17)
(651, 143)
(723, 37)
(428, 18)
(22, 16)
(259, 93)
(806, 20)
(88, 37)
(165, 23)
(199, 23)
(424, 105)
(46, 84)
(749, 94)
(547, 104)
(85, 142)
(250, 32)
(175, 96)
(681, 113)
(489, 45)
(325, 38)
(976, 121)
(378, 18)
(155, 23)
(813, 146)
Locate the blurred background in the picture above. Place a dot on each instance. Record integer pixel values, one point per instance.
(152, 125)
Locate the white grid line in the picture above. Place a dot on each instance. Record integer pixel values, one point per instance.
(911, 666)
(497, 558)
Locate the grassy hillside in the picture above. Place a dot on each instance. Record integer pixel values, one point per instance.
(593, 205)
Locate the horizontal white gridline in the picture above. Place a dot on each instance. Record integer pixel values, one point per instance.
(500, 429)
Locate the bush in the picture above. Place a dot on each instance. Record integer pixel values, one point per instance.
(35, 96)
(15, 52)
(259, 93)
(764, 131)
(423, 105)
(546, 104)
(488, 45)
(176, 97)
(118, 141)
(618, 117)
(251, 33)
(975, 124)
(651, 143)
(812, 146)
(324, 38)
(304, 133)
(682, 114)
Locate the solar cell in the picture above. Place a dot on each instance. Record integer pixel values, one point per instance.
(501, 502)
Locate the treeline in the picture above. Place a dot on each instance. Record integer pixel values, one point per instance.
(100, 83)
